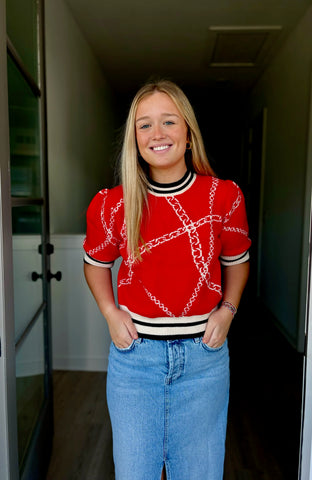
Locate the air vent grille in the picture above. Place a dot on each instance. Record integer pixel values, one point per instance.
(240, 46)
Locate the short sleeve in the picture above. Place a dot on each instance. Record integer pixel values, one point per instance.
(234, 236)
(101, 244)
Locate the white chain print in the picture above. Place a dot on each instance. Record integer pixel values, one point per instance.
(109, 238)
(102, 245)
(216, 288)
(189, 228)
(123, 234)
(206, 275)
(211, 201)
(195, 244)
(204, 271)
(236, 203)
(158, 303)
(193, 296)
(129, 263)
(236, 230)
(180, 231)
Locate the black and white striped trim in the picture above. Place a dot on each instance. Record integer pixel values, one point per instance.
(166, 328)
(235, 260)
(165, 189)
(96, 263)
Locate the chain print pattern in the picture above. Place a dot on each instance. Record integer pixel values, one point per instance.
(188, 227)
(158, 303)
(235, 205)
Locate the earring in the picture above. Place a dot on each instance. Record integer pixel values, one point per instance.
(188, 145)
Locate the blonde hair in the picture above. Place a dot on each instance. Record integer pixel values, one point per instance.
(133, 176)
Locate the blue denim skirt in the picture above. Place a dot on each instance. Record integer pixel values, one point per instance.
(168, 402)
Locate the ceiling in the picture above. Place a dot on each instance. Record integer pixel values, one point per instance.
(215, 43)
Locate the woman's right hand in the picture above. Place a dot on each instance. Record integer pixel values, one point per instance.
(121, 327)
(120, 324)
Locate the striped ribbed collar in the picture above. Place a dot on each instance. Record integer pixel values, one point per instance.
(167, 189)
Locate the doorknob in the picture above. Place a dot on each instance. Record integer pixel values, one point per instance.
(35, 276)
(57, 276)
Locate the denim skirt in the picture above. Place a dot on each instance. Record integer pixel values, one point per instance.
(168, 402)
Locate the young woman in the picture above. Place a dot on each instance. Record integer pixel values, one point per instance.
(182, 234)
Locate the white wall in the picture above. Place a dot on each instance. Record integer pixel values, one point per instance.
(284, 89)
(80, 121)
(27, 299)
(80, 335)
(80, 133)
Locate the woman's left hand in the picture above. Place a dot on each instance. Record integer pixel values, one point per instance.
(217, 328)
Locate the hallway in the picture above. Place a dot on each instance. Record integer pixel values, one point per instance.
(264, 413)
(69, 69)
(265, 408)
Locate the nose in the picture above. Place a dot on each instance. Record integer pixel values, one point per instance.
(158, 132)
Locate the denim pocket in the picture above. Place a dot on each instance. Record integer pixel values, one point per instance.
(212, 349)
(130, 347)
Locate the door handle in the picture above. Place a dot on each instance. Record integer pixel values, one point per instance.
(57, 276)
(35, 276)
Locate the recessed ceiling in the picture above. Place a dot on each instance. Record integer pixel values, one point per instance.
(198, 42)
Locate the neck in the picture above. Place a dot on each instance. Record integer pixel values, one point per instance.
(165, 176)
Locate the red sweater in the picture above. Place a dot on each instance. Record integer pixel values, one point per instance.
(192, 227)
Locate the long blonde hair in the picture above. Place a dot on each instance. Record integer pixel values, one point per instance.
(133, 176)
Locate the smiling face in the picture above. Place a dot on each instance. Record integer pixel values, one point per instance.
(161, 135)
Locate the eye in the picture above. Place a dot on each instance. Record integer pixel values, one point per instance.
(169, 122)
(144, 126)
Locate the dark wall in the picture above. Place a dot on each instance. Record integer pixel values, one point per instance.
(222, 117)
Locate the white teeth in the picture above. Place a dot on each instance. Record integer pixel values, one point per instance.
(161, 147)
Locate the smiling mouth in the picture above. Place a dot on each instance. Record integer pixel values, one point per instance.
(160, 148)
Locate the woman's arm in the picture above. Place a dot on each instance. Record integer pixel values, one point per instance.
(120, 324)
(234, 281)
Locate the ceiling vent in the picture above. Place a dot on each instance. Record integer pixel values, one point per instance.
(240, 46)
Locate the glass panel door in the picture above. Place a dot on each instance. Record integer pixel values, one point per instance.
(22, 31)
(30, 386)
(30, 240)
(24, 135)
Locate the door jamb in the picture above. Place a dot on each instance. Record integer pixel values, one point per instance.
(8, 424)
(305, 469)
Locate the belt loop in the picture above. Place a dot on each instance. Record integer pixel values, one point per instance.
(197, 339)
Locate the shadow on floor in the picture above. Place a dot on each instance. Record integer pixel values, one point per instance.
(265, 401)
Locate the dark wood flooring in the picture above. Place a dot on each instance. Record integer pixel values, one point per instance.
(29, 398)
(265, 402)
(264, 414)
(82, 448)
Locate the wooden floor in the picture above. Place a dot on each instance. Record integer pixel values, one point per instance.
(82, 448)
(264, 414)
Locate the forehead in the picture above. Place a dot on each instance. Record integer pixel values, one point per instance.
(157, 102)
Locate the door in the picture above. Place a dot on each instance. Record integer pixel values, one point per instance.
(306, 438)
(254, 194)
(26, 340)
